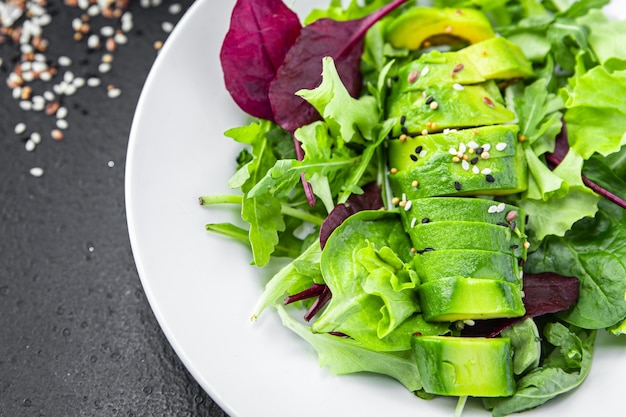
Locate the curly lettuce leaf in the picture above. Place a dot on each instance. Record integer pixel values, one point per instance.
(596, 111)
(364, 263)
(348, 118)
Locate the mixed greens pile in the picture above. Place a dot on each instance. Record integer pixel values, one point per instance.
(314, 179)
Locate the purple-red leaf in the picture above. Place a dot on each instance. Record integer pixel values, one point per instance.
(371, 199)
(544, 293)
(260, 34)
(302, 68)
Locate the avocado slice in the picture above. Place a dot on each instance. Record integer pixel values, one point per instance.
(462, 298)
(412, 29)
(475, 263)
(492, 59)
(485, 160)
(465, 366)
(467, 235)
(434, 209)
(447, 106)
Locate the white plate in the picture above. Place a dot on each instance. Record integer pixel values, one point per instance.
(202, 289)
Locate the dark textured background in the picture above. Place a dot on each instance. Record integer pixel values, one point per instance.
(77, 336)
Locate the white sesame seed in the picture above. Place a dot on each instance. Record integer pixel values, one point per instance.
(424, 71)
(156, 3)
(486, 147)
(114, 92)
(486, 171)
(120, 38)
(104, 67)
(107, 31)
(403, 196)
(413, 222)
(93, 41)
(167, 27)
(501, 146)
(492, 209)
(20, 128)
(83, 4)
(472, 145)
(93, 82)
(408, 205)
(26, 105)
(62, 124)
(70, 89)
(68, 76)
(462, 147)
(465, 165)
(65, 61)
(458, 87)
(93, 10)
(501, 207)
(144, 3)
(111, 164)
(78, 82)
(45, 76)
(39, 103)
(61, 113)
(76, 23)
(39, 66)
(475, 170)
(17, 92)
(28, 76)
(35, 137)
(423, 153)
(36, 171)
(452, 151)
(175, 8)
(29, 145)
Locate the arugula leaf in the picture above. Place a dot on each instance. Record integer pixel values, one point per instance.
(260, 212)
(346, 356)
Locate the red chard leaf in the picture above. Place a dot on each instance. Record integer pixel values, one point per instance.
(371, 199)
(260, 34)
(302, 68)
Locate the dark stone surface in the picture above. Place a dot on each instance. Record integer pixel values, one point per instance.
(77, 336)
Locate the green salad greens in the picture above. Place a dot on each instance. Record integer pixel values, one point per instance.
(446, 183)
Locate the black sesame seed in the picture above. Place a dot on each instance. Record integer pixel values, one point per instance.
(413, 158)
(480, 150)
(514, 246)
(513, 226)
(490, 178)
(503, 224)
(457, 185)
(419, 149)
(474, 160)
(425, 220)
(395, 78)
(521, 262)
(402, 120)
(405, 130)
(429, 100)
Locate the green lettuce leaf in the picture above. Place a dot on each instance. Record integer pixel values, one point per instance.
(346, 356)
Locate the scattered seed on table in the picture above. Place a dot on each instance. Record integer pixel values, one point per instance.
(174, 8)
(35, 137)
(20, 128)
(93, 82)
(62, 124)
(36, 171)
(29, 145)
(167, 27)
(56, 134)
(111, 164)
(114, 92)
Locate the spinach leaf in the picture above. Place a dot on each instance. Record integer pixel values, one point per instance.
(595, 252)
(565, 368)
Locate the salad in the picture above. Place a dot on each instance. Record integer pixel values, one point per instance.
(445, 182)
